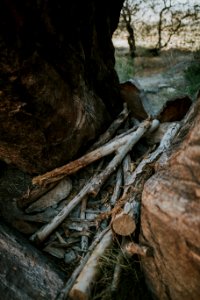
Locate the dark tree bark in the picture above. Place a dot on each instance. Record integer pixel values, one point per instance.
(58, 87)
(25, 272)
(170, 220)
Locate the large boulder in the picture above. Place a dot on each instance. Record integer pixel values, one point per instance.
(58, 87)
(170, 219)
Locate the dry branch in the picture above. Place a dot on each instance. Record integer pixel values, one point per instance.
(54, 196)
(164, 145)
(82, 288)
(74, 166)
(84, 238)
(93, 186)
(117, 189)
(65, 291)
(124, 222)
(105, 137)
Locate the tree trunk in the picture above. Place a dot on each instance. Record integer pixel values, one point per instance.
(58, 86)
(170, 220)
(25, 272)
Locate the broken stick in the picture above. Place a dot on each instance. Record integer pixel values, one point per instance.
(105, 137)
(132, 248)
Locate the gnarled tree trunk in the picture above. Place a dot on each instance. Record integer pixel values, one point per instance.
(58, 87)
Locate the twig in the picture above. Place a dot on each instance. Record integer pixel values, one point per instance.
(84, 239)
(117, 189)
(105, 137)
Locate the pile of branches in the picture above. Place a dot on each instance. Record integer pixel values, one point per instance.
(88, 203)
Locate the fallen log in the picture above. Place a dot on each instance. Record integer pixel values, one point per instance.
(93, 186)
(25, 272)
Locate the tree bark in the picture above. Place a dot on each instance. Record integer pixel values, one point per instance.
(25, 272)
(58, 86)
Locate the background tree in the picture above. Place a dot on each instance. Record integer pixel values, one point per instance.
(129, 11)
(159, 23)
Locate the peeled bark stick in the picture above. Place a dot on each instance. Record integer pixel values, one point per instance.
(105, 137)
(65, 291)
(84, 283)
(152, 157)
(54, 196)
(74, 166)
(132, 248)
(93, 186)
(118, 185)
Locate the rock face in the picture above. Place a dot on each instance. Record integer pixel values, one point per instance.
(170, 221)
(58, 87)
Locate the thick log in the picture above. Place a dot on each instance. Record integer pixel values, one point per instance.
(170, 220)
(58, 83)
(25, 272)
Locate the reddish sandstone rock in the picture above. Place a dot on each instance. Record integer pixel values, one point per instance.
(170, 219)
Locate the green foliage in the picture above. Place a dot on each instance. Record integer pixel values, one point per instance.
(192, 75)
(124, 67)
